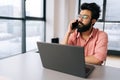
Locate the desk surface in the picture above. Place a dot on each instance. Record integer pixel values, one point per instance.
(28, 67)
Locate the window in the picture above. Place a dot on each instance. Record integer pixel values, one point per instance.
(34, 27)
(109, 21)
(34, 8)
(22, 24)
(34, 33)
(10, 37)
(8, 8)
(112, 12)
(113, 31)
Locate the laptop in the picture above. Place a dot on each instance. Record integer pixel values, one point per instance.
(64, 58)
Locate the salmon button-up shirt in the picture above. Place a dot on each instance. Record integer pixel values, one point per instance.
(95, 45)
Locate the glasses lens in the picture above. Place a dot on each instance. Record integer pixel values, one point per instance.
(84, 17)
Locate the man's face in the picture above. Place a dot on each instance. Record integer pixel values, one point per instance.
(84, 21)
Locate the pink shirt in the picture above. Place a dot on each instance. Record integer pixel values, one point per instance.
(95, 45)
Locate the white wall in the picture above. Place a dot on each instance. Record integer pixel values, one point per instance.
(58, 15)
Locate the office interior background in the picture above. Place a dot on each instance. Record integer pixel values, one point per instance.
(24, 22)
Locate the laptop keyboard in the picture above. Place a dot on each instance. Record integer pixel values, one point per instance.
(87, 69)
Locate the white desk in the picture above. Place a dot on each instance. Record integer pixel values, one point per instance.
(28, 67)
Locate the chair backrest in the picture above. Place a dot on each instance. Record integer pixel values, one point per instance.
(104, 63)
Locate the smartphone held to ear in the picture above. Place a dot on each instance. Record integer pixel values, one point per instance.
(81, 27)
(75, 25)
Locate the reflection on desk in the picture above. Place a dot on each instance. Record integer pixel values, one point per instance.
(28, 66)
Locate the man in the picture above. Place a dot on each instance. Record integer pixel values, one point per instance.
(84, 34)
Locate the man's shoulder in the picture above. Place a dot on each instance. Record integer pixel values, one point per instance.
(100, 32)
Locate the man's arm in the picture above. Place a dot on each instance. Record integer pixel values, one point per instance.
(92, 60)
(66, 37)
(69, 31)
(100, 53)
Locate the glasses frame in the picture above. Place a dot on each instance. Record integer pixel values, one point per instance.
(83, 16)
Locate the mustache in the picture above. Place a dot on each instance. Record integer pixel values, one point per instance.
(80, 24)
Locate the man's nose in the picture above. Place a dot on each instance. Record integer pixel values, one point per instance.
(80, 19)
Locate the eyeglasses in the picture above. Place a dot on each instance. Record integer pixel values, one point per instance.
(83, 16)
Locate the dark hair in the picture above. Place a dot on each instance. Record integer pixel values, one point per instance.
(93, 7)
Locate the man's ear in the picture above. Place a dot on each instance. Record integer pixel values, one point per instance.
(93, 21)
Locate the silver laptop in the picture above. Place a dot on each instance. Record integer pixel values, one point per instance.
(64, 58)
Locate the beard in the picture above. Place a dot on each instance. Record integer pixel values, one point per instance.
(82, 28)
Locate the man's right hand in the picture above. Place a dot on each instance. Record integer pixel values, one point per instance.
(70, 30)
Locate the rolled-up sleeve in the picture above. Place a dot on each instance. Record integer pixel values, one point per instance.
(101, 46)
